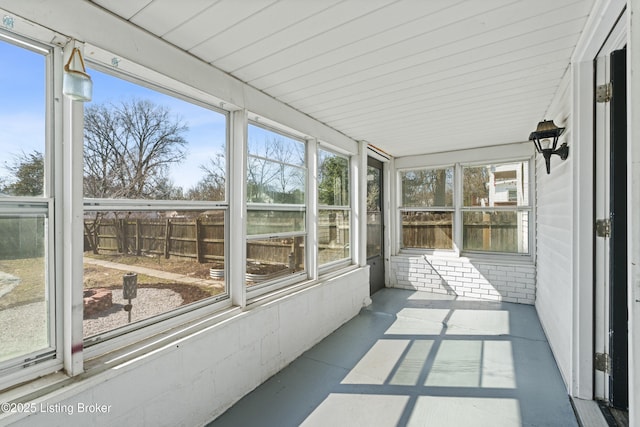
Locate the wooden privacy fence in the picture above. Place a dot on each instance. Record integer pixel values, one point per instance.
(434, 234)
(201, 239)
(496, 233)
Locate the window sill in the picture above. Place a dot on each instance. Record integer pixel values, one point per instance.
(489, 258)
(499, 258)
(297, 287)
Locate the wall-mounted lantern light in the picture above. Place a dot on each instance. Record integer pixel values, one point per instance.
(545, 138)
(76, 83)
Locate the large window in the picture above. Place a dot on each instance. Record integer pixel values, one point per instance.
(155, 205)
(27, 293)
(427, 208)
(334, 211)
(496, 208)
(489, 206)
(276, 206)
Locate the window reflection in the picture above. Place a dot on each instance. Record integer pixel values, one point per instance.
(276, 206)
(274, 258)
(333, 236)
(334, 214)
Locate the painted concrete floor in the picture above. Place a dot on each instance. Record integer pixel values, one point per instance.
(418, 359)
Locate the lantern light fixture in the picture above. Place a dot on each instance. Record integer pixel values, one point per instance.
(545, 138)
(76, 83)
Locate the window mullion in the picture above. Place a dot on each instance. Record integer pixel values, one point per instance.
(457, 203)
(236, 263)
(73, 171)
(312, 208)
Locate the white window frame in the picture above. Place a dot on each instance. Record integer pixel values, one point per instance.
(46, 360)
(458, 210)
(269, 286)
(344, 262)
(136, 74)
(453, 209)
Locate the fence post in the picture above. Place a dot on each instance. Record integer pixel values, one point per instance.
(138, 238)
(198, 244)
(167, 236)
(120, 235)
(125, 235)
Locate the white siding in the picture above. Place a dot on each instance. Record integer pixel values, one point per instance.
(554, 220)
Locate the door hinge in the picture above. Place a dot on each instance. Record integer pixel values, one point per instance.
(603, 362)
(603, 227)
(603, 92)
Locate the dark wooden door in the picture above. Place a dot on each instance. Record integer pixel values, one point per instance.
(618, 298)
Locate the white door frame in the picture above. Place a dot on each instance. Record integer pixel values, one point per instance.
(616, 40)
(603, 19)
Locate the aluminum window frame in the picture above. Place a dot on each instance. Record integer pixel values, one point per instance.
(46, 360)
(452, 209)
(346, 261)
(104, 342)
(458, 209)
(268, 286)
(529, 209)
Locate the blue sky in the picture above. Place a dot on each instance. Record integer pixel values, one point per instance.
(206, 135)
(22, 112)
(22, 105)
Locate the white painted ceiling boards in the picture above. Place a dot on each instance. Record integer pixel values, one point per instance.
(408, 76)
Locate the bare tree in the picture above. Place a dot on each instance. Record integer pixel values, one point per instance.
(476, 186)
(212, 185)
(428, 188)
(272, 172)
(129, 148)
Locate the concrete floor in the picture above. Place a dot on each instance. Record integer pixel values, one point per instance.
(418, 359)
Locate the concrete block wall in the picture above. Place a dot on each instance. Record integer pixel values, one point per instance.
(497, 280)
(195, 379)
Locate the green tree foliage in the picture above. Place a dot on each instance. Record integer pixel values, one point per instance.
(428, 188)
(476, 185)
(333, 177)
(26, 175)
(373, 190)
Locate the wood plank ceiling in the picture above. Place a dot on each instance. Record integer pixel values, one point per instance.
(408, 76)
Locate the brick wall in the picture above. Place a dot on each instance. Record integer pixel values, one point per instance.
(487, 280)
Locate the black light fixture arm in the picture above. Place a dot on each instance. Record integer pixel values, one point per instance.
(563, 152)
